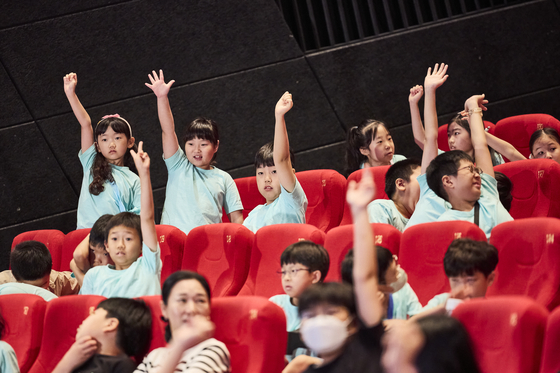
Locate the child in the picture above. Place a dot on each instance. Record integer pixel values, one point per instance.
(127, 236)
(544, 143)
(471, 191)
(8, 358)
(368, 145)
(119, 328)
(404, 192)
(196, 190)
(108, 185)
(91, 251)
(31, 264)
(286, 201)
(303, 263)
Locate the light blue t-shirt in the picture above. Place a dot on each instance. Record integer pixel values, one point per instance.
(8, 359)
(293, 322)
(395, 159)
(405, 303)
(497, 159)
(429, 207)
(91, 207)
(195, 196)
(21, 288)
(438, 300)
(141, 278)
(287, 208)
(491, 213)
(385, 211)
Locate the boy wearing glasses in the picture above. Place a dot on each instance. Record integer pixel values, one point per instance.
(303, 264)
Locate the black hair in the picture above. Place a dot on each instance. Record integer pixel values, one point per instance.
(504, 189)
(360, 137)
(332, 293)
(447, 163)
(464, 123)
(309, 254)
(134, 332)
(465, 257)
(30, 261)
(548, 131)
(384, 260)
(400, 170)
(101, 169)
(203, 129)
(447, 346)
(127, 219)
(265, 156)
(171, 281)
(97, 233)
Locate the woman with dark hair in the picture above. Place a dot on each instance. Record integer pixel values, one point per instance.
(8, 359)
(190, 347)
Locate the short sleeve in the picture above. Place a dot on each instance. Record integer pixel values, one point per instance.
(378, 214)
(87, 157)
(151, 261)
(297, 197)
(232, 201)
(89, 279)
(174, 162)
(136, 198)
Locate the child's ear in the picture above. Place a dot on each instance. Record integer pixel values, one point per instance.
(400, 184)
(217, 146)
(447, 182)
(294, 170)
(111, 325)
(316, 276)
(106, 246)
(97, 147)
(490, 278)
(364, 151)
(131, 142)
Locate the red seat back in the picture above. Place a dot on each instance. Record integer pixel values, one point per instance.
(550, 362)
(535, 187)
(71, 241)
(326, 196)
(517, 130)
(379, 179)
(507, 332)
(529, 259)
(270, 242)
(52, 238)
(423, 247)
(23, 315)
(222, 253)
(341, 239)
(62, 318)
(158, 325)
(249, 193)
(172, 243)
(442, 139)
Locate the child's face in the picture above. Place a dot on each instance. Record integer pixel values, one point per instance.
(466, 184)
(200, 152)
(187, 299)
(98, 256)
(124, 246)
(114, 146)
(296, 278)
(339, 312)
(381, 149)
(467, 287)
(93, 325)
(268, 183)
(546, 147)
(412, 193)
(392, 272)
(458, 138)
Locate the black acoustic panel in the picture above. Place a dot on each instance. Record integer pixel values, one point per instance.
(502, 54)
(404, 142)
(64, 222)
(33, 184)
(325, 157)
(545, 102)
(114, 48)
(159, 199)
(13, 109)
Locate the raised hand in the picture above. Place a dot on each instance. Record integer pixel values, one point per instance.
(160, 88)
(284, 104)
(359, 195)
(199, 328)
(70, 83)
(435, 78)
(141, 159)
(416, 93)
(474, 102)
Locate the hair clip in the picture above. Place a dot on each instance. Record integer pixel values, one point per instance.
(115, 116)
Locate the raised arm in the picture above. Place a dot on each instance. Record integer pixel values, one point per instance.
(168, 135)
(281, 153)
(434, 79)
(416, 93)
(80, 262)
(70, 83)
(364, 270)
(504, 148)
(142, 162)
(474, 107)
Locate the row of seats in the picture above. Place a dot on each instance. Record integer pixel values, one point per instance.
(236, 261)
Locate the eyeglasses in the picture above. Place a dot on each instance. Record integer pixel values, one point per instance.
(472, 169)
(292, 272)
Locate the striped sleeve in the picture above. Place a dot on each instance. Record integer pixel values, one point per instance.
(211, 359)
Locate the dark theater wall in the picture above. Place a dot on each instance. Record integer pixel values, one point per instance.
(231, 61)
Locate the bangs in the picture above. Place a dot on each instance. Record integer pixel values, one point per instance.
(202, 128)
(118, 125)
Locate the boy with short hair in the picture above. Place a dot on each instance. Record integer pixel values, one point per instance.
(119, 328)
(303, 264)
(403, 190)
(127, 236)
(286, 201)
(31, 266)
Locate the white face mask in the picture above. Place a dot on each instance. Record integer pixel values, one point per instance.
(402, 279)
(324, 333)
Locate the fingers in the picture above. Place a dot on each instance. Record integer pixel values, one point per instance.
(140, 146)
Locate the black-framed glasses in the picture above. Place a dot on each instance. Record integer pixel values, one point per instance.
(472, 169)
(292, 272)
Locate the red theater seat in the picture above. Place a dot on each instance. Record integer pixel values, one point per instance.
(250, 195)
(550, 362)
(62, 318)
(23, 315)
(507, 332)
(339, 240)
(222, 253)
(423, 247)
(71, 241)
(158, 325)
(443, 143)
(535, 187)
(172, 244)
(270, 242)
(52, 238)
(529, 260)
